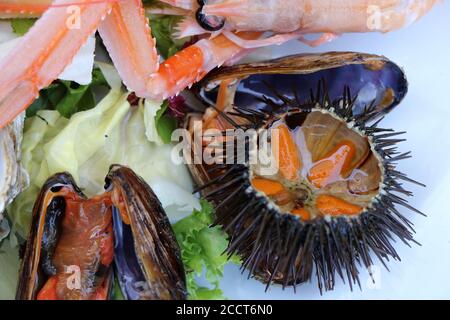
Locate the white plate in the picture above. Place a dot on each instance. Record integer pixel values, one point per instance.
(423, 50)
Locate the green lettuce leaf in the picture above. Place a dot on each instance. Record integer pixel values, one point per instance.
(202, 249)
(21, 26)
(163, 28)
(165, 124)
(68, 97)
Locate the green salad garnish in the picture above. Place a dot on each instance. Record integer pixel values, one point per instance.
(203, 252)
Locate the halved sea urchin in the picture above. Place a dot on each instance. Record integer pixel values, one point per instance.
(331, 205)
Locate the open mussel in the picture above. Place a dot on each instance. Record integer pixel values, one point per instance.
(144, 232)
(77, 245)
(326, 201)
(370, 78)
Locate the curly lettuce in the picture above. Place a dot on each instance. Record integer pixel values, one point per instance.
(202, 249)
(162, 29)
(21, 26)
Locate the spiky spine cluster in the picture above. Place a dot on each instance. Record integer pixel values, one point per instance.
(282, 248)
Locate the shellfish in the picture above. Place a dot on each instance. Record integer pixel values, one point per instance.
(332, 199)
(61, 31)
(13, 177)
(74, 243)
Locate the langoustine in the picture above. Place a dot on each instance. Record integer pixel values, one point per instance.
(65, 25)
(315, 16)
(292, 19)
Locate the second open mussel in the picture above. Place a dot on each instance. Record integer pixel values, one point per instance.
(77, 245)
(369, 78)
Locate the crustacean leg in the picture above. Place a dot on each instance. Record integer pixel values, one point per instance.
(26, 8)
(126, 34)
(43, 53)
(35, 8)
(129, 46)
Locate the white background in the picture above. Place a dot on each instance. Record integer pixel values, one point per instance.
(423, 50)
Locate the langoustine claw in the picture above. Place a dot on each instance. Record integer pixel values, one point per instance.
(136, 59)
(25, 8)
(42, 55)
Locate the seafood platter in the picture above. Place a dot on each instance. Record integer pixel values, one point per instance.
(221, 149)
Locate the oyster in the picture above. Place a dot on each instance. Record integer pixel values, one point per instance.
(13, 178)
(74, 242)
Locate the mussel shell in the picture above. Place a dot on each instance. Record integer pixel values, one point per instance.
(370, 78)
(31, 271)
(147, 256)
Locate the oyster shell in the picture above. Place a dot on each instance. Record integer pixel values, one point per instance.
(13, 178)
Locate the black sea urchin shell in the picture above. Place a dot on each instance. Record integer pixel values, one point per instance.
(281, 248)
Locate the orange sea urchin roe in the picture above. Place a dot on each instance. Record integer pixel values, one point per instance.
(334, 206)
(330, 168)
(269, 187)
(325, 167)
(302, 213)
(288, 155)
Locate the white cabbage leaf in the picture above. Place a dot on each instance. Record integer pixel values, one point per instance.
(86, 146)
(150, 111)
